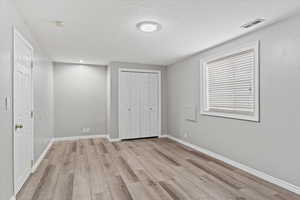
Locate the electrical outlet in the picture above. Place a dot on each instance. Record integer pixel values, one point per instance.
(186, 134)
(85, 130)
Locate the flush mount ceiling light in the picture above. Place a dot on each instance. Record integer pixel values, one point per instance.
(148, 26)
(81, 61)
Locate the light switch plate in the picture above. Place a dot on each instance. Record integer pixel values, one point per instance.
(7, 104)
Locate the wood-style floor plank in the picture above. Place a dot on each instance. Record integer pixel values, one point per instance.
(146, 169)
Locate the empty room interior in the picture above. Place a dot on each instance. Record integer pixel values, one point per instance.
(149, 100)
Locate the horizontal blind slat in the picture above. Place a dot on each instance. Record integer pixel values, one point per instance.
(229, 65)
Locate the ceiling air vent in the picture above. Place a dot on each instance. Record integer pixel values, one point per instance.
(59, 24)
(253, 23)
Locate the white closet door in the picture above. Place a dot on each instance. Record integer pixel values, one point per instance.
(149, 105)
(144, 96)
(135, 105)
(139, 105)
(129, 111)
(153, 104)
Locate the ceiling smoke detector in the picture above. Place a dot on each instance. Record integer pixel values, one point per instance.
(252, 23)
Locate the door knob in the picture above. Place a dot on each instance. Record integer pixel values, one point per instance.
(18, 126)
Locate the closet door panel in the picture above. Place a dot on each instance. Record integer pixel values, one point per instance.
(145, 108)
(153, 101)
(135, 113)
(149, 102)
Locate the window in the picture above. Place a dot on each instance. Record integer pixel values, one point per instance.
(230, 84)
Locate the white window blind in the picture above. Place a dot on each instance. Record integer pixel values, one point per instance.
(230, 85)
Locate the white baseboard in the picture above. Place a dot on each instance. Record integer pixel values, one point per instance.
(42, 156)
(165, 136)
(78, 137)
(262, 175)
(113, 139)
(12, 198)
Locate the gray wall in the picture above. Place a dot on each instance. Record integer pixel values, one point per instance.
(42, 95)
(271, 146)
(43, 103)
(113, 109)
(108, 100)
(80, 99)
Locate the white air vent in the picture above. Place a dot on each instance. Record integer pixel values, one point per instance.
(252, 23)
(59, 24)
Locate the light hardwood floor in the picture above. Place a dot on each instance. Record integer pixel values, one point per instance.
(147, 169)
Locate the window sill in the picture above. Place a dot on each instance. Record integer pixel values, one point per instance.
(253, 118)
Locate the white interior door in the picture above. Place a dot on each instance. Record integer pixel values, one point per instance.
(22, 104)
(134, 113)
(129, 107)
(149, 105)
(139, 104)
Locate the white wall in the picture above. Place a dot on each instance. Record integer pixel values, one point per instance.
(80, 99)
(271, 146)
(113, 128)
(42, 74)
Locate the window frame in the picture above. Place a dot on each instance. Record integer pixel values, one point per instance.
(203, 84)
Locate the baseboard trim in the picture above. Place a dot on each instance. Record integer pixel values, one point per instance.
(113, 139)
(42, 156)
(259, 174)
(78, 137)
(12, 198)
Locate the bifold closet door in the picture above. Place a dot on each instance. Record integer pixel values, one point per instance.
(149, 105)
(129, 111)
(139, 98)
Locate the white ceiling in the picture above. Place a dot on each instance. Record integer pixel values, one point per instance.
(100, 31)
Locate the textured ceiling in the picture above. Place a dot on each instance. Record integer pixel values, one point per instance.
(100, 31)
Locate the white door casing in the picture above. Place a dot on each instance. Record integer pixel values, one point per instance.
(22, 109)
(139, 103)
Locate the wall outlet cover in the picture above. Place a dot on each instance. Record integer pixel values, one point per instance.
(86, 130)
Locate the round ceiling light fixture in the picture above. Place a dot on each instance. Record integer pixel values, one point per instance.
(148, 26)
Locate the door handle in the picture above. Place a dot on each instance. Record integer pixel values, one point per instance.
(19, 126)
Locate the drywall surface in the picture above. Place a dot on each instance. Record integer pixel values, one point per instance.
(80, 100)
(43, 103)
(108, 100)
(271, 146)
(42, 74)
(113, 68)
